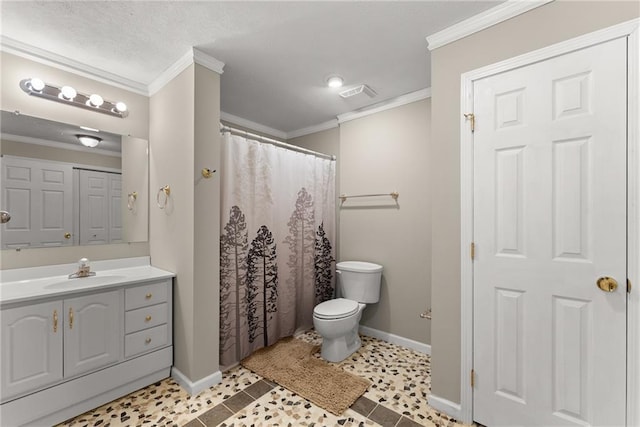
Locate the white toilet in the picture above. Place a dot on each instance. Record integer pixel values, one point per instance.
(337, 320)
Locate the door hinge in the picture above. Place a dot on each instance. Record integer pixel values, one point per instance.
(472, 119)
(473, 375)
(473, 250)
(628, 286)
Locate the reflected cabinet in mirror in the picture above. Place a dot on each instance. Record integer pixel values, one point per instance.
(65, 185)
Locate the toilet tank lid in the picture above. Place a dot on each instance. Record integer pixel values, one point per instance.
(359, 266)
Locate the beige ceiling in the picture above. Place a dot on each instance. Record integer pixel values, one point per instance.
(277, 54)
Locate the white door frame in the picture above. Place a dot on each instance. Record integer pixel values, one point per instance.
(628, 29)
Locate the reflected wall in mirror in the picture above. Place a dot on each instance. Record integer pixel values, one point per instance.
(60, 192)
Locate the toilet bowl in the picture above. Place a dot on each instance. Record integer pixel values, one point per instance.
(337, 320)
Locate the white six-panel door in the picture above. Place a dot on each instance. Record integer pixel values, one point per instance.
(549, 220)
(38, 195)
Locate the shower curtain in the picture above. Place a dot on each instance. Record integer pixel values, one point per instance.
(276, 245)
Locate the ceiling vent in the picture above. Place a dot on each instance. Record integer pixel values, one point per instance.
(357, 90)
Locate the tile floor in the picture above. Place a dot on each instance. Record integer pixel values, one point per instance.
(397, 397)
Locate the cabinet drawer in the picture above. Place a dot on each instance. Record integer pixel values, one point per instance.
(145, 318)
(143, 341)
(146, 295)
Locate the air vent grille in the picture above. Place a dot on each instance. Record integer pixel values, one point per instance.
(358, 90)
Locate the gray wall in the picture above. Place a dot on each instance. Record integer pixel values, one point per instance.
(184, 236)
(380, 153)
(546, 25)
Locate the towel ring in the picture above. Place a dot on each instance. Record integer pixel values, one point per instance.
(166, 190)
(131, 200)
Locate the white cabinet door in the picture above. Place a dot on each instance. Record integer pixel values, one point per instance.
(31, 347)
(38, 195)
(92, 337)
(550, 219)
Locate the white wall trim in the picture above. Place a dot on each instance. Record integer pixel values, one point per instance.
(625, 29)
(446, 406)
(207, 61)
(398, 101)
(170, 73)
(194, 388)
(239, 121)
(63, 63)
(481, 21)
(633, 228)
(396, 339)
(56, 144)
(330, 124)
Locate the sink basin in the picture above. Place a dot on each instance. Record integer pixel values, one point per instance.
(84, 281)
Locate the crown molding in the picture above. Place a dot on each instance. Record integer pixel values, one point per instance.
(207, 61)
(481, 21)
(333, 123)
(193, 56)
(257, 127)
(56, 144)
(386, 105)
(63, 63)
(170, 73)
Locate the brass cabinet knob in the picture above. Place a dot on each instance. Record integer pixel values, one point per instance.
(147, 341)
(148, 296)
(607, 284)
(67, 236)
(147, 319)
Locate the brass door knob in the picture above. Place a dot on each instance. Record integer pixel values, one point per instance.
(67, 236)
(607, 284)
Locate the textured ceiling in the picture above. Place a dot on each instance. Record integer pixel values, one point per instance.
(277, 54)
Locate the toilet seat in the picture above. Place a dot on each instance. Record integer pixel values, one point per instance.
(335, 309)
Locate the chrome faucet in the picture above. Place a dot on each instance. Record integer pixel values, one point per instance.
(84, 270)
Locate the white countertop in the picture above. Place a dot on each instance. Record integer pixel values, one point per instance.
(29, 284)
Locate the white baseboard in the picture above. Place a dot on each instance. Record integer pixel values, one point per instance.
(194, 388)
(445, 406)
(396, 339)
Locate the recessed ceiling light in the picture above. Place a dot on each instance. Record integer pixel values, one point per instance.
(335, 81)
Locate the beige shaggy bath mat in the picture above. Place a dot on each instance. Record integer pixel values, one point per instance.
(291, 364)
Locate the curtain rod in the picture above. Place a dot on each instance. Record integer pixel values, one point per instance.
(225, 128)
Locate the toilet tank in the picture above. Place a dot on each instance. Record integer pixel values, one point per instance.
(360, 281)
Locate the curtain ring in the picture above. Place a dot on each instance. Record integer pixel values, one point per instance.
(131, 200)
(167, 191)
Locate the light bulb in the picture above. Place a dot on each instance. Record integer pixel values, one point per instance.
(335, 81)
(121, 107)
(68, 93)
(37, 84)
(95, 100)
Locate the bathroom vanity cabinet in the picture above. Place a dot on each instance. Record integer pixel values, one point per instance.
(66, 352)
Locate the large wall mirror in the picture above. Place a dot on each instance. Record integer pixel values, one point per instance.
(60, 190)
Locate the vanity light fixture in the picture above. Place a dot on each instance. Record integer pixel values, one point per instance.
(89, 140)
(68, 95)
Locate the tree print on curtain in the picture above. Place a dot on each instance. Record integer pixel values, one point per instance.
(234, 243)
(323, 266)
(262, 285)
(277, 230)
(301, 241)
